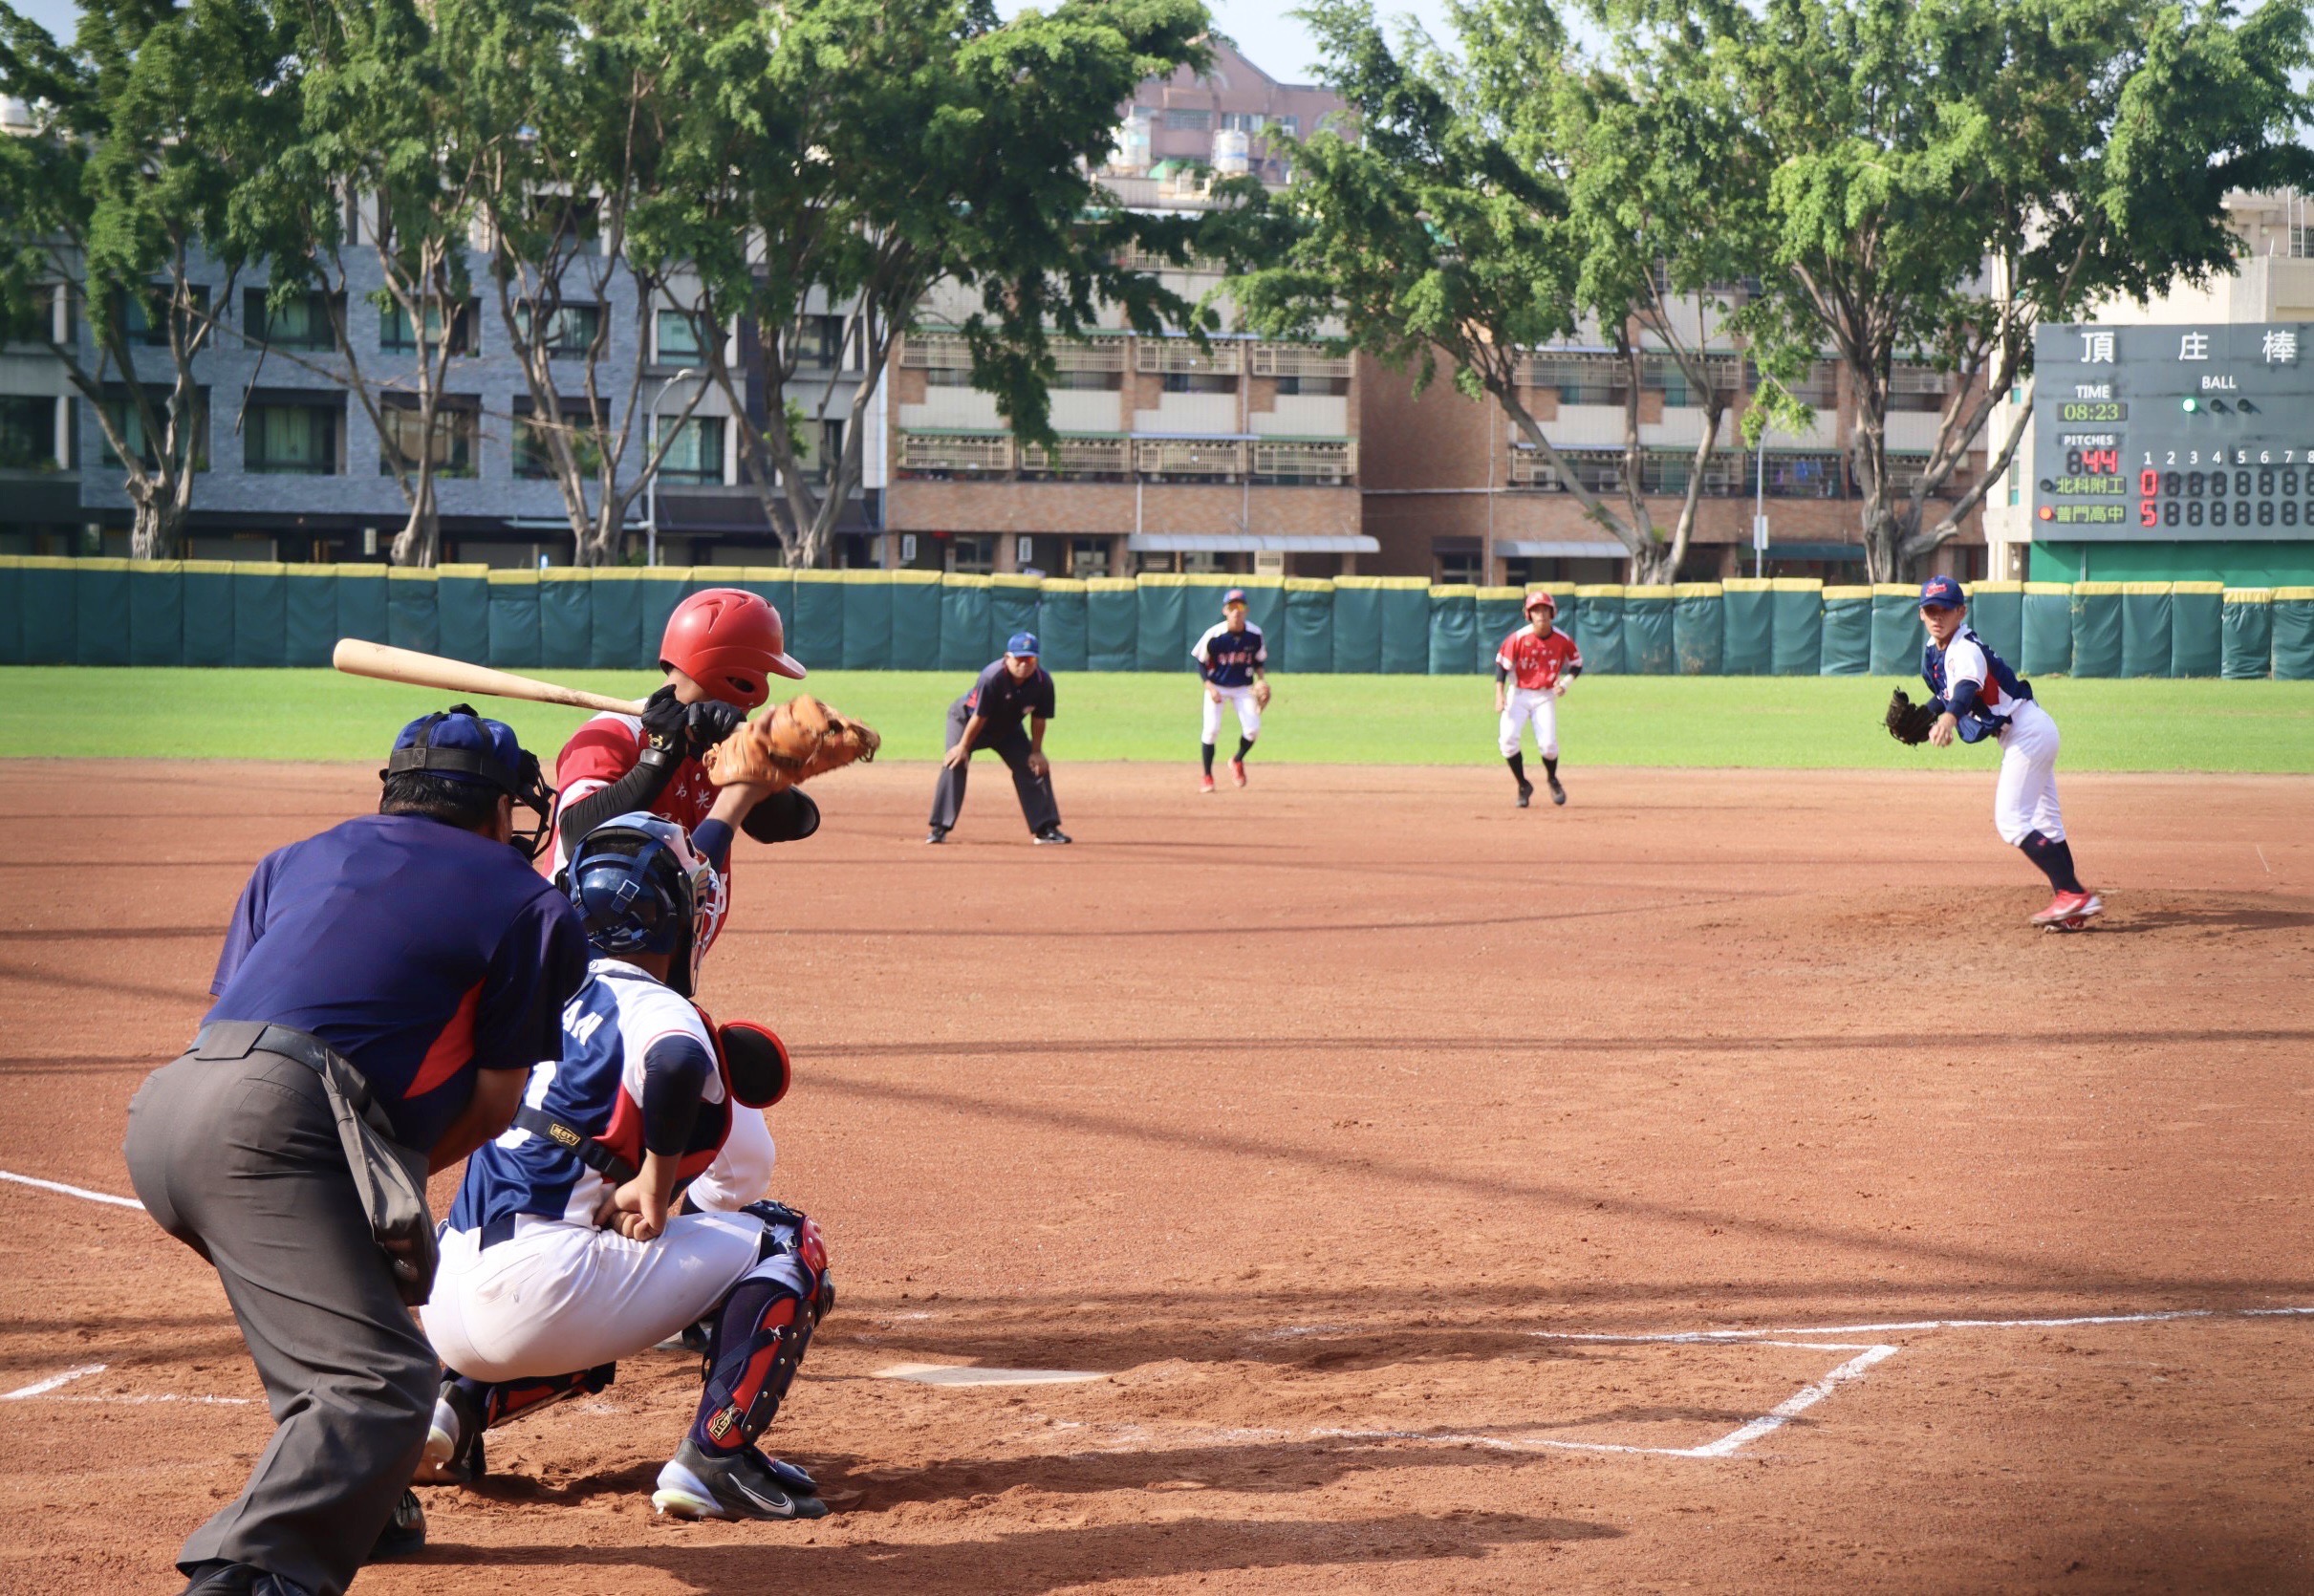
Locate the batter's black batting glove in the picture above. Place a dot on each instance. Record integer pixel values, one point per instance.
(666, 729)
(713, 720)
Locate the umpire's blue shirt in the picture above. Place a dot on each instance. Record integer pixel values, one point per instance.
(418, 951)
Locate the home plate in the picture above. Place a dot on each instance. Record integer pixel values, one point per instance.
(966, 1374)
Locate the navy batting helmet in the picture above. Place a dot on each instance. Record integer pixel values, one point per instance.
(638, 887)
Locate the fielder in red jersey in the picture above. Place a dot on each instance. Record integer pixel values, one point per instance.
(1533, 670)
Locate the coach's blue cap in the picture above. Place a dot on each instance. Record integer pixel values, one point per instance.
(460, 745)
(1941, 593)
(1022, 644)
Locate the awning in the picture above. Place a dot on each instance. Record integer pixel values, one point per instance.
(1239, 543)
(1814, 550)
(1562, 551)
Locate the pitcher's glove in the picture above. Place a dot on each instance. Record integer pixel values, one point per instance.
(1907, 722)
(798, 741)
(1260, 694)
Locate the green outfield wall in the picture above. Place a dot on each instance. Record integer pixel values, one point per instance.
(95, 612)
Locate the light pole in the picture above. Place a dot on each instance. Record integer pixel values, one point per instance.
(650, 451)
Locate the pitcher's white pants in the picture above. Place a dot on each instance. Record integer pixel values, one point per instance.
(2026, 798)
(1249, 712)
(556, 1296)
(1538, 704)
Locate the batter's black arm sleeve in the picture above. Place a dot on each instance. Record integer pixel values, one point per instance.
(638, 789)
(789, 816)
(674, 1072)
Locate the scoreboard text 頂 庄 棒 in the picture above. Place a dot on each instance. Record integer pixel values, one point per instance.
(2173, 433)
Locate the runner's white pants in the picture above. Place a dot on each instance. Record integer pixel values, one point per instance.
(1539, 705)
(2026, 798)
(1249, 712)
(558, 1297)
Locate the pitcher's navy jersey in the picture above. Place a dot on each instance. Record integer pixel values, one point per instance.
(598, 1088)
(1968, 659)
(1228, 657)
(420, 952)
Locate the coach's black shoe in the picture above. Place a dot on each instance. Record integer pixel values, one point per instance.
(453, 1454)
(1526, 791)
(744, 1485)
(1558, 793)
(1050, 834)
(405, 1532)
(216, 1578)
(937, 834)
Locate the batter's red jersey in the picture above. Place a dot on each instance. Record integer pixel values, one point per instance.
(606, 749)
(1538, 663)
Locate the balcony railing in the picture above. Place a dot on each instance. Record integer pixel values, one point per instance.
(1182, 356)
(1298, 361)
(1306, 460)
(962, 454)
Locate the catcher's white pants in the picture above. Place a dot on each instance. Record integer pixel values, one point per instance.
(2026, 798)
(556, 1296)
(1541, 706)
(1249, 712)
(742, 1171)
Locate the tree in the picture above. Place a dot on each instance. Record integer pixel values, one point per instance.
(1945, 175)
(844, 157)
(155, 127)
(1500, 196)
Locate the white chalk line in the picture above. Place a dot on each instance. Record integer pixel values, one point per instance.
(1887, 1326)
(72, 1191)
(41, 1387)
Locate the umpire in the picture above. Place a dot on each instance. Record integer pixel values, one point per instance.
(384, 989)
(989, 717)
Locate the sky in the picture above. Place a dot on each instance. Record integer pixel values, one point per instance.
(1273, 41)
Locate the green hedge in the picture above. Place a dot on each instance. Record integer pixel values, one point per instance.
(108, 612)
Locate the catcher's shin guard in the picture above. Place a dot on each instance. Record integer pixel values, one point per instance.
(496, 1401)
(759, 1341)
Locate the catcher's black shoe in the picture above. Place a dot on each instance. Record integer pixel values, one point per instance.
(453, 1454)
(938, 833)
(741, 1485)
(405, 1532)
(1049, 835)
(1526, 791)
(1558, 793)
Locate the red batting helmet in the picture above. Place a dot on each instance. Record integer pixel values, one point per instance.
(1540, 600)
(730, 641)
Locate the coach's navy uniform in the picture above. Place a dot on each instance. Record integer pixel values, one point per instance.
(369, 974)
(998, 701)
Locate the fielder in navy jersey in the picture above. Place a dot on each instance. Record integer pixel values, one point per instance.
(568, 1248)
(1231, 656)
(1977, 696)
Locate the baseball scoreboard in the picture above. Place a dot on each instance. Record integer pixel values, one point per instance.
(2173, 433)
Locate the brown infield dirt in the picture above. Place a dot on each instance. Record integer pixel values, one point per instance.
(1322, 1122)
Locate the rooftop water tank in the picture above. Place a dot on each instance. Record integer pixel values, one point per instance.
(1232, 153)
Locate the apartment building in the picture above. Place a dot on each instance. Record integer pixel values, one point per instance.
(1234, 118)
(1454, 492)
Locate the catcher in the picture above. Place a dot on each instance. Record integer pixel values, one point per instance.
(565, 1251)
(721, 650)
(1977, 696)
(1231, 655)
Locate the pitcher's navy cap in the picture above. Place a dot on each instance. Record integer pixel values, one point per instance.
(1941, 593)
(1023, 644)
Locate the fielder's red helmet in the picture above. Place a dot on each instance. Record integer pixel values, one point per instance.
(730, 643)
(1539, 599)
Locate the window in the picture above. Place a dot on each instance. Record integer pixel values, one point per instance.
(403, 441)
(830, 450)
(1290, 126)
(144, 319)
(291, 440)
(1805, 476)
(677, 337)
(820, 342)
(2302, 240)
(1578, 378)
(1188, 121)
(28, 433)
(1817, 386)
(131, 426)
(568, 330)
(1336, 386)
(1089, 558)
(972, 557)
(533, 453)
(1199, 382)
(1667, 472)
(1661, 373)
(395, 335)
(1461, 569)
(1917, 388)
(1101, 382)
(1242, 121)
(303, 323)
(695, 455)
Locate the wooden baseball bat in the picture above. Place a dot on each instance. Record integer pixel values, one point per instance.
(356, 657)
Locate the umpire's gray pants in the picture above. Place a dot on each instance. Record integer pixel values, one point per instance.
(1010, 743)
(241, 1160)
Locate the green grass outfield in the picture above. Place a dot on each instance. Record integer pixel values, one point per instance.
(1822, 723)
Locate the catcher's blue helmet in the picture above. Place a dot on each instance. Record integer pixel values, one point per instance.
(637, 887)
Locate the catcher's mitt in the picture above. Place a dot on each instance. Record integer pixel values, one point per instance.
(798, 741)
(1907, 722)
(1260, 694)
